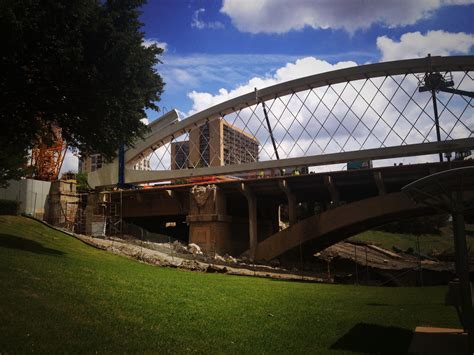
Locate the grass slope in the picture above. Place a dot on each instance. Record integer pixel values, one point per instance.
(59, 295)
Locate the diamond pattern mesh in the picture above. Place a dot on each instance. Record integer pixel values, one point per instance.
(355, 115)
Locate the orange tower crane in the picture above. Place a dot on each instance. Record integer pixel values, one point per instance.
(47, 155)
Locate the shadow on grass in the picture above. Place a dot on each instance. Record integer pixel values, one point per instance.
(13, 242)
(377, 304)
(375, 339)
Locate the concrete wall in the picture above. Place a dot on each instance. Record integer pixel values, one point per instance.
(32, 195)
(63, 204)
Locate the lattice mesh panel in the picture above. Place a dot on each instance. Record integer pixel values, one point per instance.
(363, 114)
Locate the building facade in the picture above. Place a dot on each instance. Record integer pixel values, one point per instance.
(90, 163)
(215, 143)
(94, 162)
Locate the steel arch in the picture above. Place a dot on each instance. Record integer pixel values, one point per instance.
(164, 132)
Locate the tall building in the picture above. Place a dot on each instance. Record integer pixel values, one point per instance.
(215, 143)
(90, 163)
(95, 161)
(180, 155)
(143, 164)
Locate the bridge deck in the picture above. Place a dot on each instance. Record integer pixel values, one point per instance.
(351, 184)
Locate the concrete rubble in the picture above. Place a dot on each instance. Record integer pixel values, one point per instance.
(380, 258)
(194, 249)
(190, 258)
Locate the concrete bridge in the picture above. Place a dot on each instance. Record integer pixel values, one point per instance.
(242, 216)
(370, 113)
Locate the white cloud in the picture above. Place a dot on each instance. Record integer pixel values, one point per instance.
(183, 76)
(244, 60)
(150, 41)
(200, 24)
(280, 16)
(415, 44)
(301, 67)
(342, 117)
(204, 70)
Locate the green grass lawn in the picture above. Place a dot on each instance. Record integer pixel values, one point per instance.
(429, 243)
(59, 295)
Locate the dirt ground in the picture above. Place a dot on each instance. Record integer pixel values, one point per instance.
(376, 257)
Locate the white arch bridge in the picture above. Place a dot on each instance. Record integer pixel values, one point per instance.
(370, 112)
(411, 109)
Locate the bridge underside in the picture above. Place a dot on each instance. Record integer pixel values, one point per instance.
(247, 215)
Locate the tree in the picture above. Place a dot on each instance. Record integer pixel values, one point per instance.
(12, 164)
(82, 184)
(77, 64)
(418, 225)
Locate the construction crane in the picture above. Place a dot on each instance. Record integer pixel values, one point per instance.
(47, 155)
(439, 82)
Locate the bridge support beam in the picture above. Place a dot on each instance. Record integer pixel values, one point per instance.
(252, 205)
(292, 211)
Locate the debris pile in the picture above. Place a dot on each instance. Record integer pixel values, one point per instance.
(191, 257)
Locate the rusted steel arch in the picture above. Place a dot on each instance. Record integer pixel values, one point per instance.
(454, 63)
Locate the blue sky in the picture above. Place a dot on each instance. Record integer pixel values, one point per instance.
(222, 44)
(219, 49)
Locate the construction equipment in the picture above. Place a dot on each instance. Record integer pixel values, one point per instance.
(435, 82)
(48, 154)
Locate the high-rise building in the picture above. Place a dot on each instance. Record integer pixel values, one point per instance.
(214, 143)
(180, 155)
(90, 163)
(95, 161)
(143, 164)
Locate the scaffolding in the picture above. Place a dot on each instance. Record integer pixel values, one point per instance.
(111, 210)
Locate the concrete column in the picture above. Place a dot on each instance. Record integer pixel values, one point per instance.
(209, 225)
(311, 205)
(334, 193)
(379, 182)
(252, 204)
(462, 264)
(292, 211)
(90, 219)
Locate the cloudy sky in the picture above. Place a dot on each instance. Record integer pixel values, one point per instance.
(218, 49)
(216, 46)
